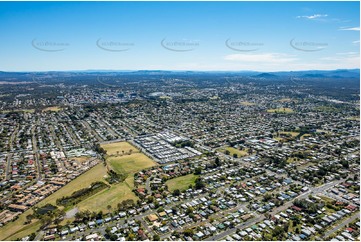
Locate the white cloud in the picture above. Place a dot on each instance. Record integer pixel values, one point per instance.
(356, 42)
(351, 53)
(350, 29)
(313, 17)
(270, 58)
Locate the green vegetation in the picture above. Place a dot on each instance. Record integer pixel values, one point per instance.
(354, 118)
(280, 110)
(130, 164)
(181, 183)
(183, 143)
(283, 100)
(247, 104)
(52, 109)
(233, 151)
(119, 148)
(19, 111)
(45, 209)
(100, 200)
(121, 170)
(19, 228)
(114, 177)
(112, 196)
(327, 109)
(81, 194)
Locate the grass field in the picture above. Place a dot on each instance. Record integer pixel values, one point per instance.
(247, 104)
(111, 196)
(99, 201)
(355, 118)
(291, 159)
(293, 134)
(112, 148)
(279, 138)
(130, 164)
(17, 229)
(280, 110)
(305, 136)
(20, 110)
(327, 109)
(126, 164)
(181, 183)
(52, 109)
(95, 174)
(80, 159)
(283, 100)
(232, 151)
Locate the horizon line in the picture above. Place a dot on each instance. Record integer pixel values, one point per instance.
(169, 70)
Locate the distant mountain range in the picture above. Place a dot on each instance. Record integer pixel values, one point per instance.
(342, 73)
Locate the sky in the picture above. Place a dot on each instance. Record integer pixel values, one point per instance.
(208, 36)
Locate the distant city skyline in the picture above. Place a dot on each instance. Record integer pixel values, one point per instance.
(195, 36)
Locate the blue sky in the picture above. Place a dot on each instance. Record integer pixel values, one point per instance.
(262, 36)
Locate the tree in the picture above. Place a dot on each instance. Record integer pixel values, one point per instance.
(156, 237)
(29, 217)
(188, 232)
(198, 171)
(131, 236)
(79, 216)
(176, 192)
(189, 210)
(267, 237)
(99, 215)
(109, 207)
(235, 156)
(267, 197)
(217, 161)
(32, 236)
(199, 183)
(277, 231)
(45, 220)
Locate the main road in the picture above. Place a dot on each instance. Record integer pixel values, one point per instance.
(286, 205)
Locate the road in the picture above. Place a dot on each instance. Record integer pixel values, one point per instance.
(106, 125)
(11, 147)
(338, 198)
(341, 225)
(92, 131)
(8, 166)
(275, 210)
(243, 225)
(35, 150)
(147, 186)
(56, 138)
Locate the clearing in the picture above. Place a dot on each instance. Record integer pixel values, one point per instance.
(280, 110)
(19, 110)
(99, 201)
(247, 104)
(121, 147)
(240, 153)
(284, 100)
(181, 183)
(130, 164)
(53, 109)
